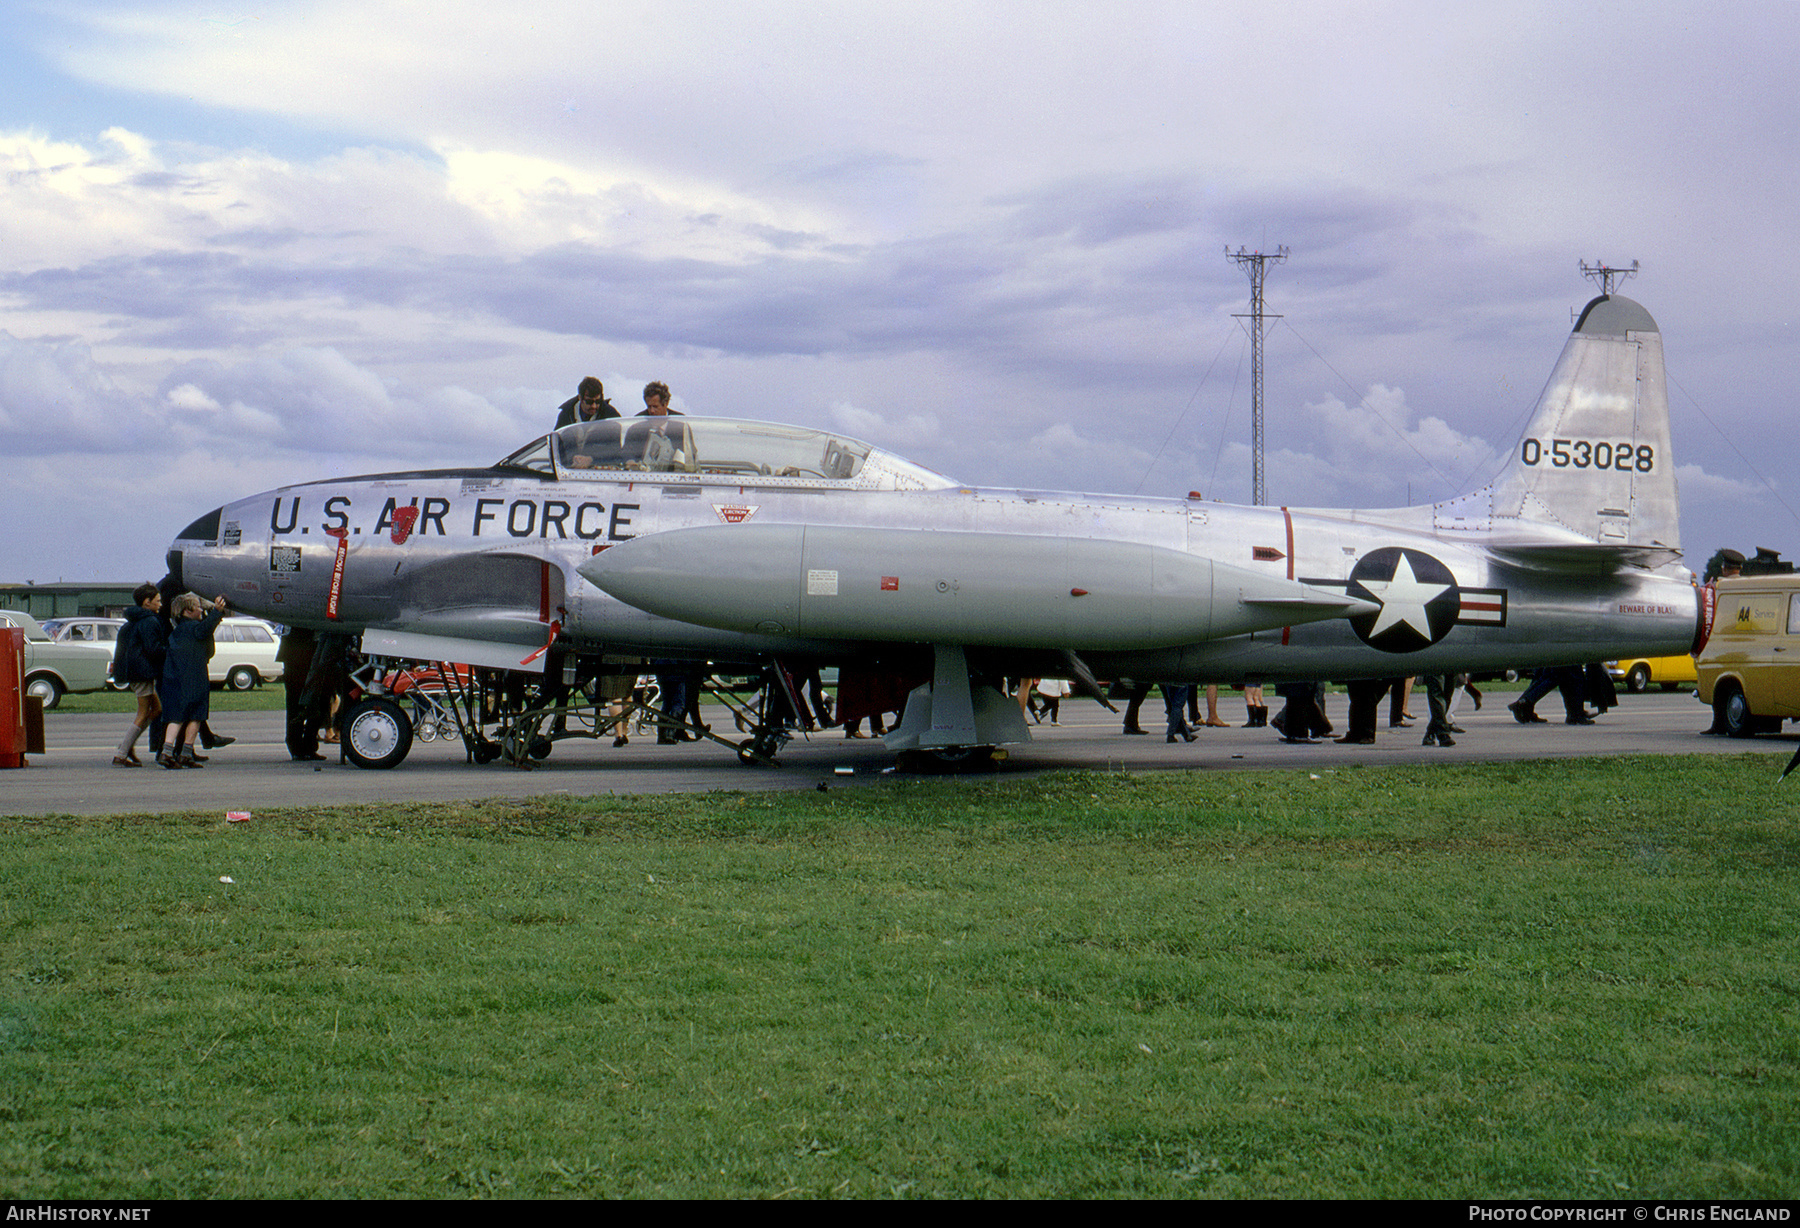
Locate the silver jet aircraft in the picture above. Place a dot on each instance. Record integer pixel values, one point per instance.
(732, 544)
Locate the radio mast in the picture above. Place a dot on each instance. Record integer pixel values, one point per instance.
(1254, 265)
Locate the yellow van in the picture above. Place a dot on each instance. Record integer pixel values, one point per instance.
(1638, 673)
(1750, 669)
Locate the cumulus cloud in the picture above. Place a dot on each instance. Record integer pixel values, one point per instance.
(1698, 485)
(1084, 284)
(218, 250)
(55, 398)
(908, 431)
(318, 401)
(1375, 448)
(1066, 456)
(66, 201)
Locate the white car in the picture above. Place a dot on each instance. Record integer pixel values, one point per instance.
(244, 654)
(53, 669)
(83, 629)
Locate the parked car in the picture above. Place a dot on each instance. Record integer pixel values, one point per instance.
(1638, 673)
(1749, 670)
(83, 629)
(87, 630)
(244, 654)
(54, 669)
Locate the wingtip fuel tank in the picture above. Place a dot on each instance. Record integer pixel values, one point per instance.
(922, 586)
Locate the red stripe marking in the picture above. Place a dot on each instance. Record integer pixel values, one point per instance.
(337, 572)
(1288, 517)
(554, 628)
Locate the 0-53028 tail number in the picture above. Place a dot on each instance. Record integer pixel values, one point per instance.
(1588, 454)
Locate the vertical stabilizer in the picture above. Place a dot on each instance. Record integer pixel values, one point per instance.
(1596, 459)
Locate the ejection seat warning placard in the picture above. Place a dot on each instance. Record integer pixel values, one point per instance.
(821, 583)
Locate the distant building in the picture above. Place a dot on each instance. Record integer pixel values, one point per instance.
(43, 601)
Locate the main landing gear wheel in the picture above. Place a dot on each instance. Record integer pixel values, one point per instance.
(760, 750)
(377, 734)
(519, 745)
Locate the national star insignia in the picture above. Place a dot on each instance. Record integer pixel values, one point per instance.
(1403, 598)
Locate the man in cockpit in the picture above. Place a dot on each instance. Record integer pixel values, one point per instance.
(589, 404)
(663, 449)
(583, 449)
(656, 402)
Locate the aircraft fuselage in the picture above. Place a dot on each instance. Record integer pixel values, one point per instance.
(493, 555)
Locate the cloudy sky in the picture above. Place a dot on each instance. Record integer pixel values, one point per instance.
(241, 246)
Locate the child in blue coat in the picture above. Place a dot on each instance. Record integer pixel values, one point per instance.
(187, 692)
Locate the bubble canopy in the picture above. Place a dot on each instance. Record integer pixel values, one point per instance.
(728, 450)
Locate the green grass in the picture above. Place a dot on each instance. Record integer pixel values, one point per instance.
(1511, 980)
(265, 698)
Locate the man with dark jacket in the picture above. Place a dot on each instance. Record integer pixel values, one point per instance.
(589, 404)
(137, 664)
(296, 657)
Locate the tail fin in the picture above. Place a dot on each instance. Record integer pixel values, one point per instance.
(1595, 460)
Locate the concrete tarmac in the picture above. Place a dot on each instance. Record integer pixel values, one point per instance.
(77, 776)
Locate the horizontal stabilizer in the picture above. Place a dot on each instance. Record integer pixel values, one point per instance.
(1583, 558)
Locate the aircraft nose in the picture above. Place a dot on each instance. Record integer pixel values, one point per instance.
(201, 536)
